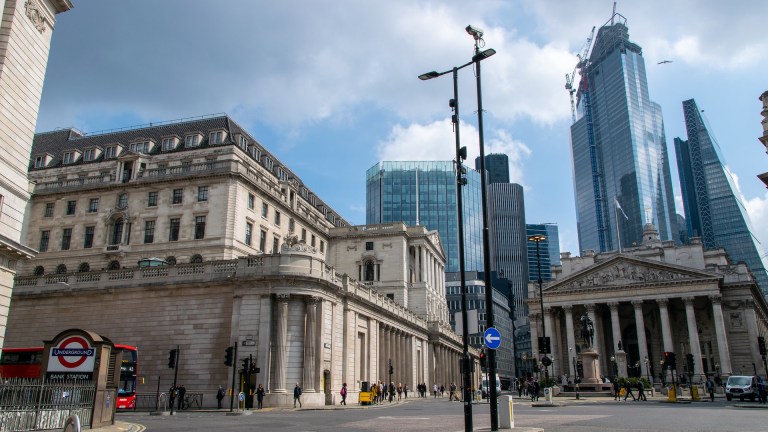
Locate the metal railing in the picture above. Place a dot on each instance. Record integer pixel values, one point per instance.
(34, 404)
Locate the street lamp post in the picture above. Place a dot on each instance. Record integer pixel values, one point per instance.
(575, 373)
(461, 154)
(538, 238)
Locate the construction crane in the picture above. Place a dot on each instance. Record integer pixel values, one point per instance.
(582, 55)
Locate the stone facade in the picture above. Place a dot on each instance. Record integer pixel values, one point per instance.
(254, 258)
(686, 300)
(25, 37)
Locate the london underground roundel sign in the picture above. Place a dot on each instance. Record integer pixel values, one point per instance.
(72, 354)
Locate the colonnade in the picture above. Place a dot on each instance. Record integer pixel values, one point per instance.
(563, 351)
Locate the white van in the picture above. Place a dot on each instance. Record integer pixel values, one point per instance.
(486, 391)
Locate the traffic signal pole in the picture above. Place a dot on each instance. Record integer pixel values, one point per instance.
(232, 390)
(175, 375)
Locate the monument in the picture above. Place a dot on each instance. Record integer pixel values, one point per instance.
(589, 356)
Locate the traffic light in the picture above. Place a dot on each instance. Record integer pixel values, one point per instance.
(482, 359)
(666, 359)
(229, 356)
(761, 345)
(172, 358)
(391, 370)
(245, 364)
(689, 362)
(545, 346)
(672, 361)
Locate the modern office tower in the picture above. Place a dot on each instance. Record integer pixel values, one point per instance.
(549, 250)
(424, 193)
(682, 231)
(497, 165)
(476, 316)
(764, 138)
(713, 210)
(25, 38)
(508, 240)
(619, 148)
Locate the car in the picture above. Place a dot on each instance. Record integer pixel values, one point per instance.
(486, 391)
(741, 386)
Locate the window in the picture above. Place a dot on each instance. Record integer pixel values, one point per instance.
(177, 196)
(251, 201)
(173, 233)
(262, 240)
(39, 161)
(275, 245)
(304, 235)
(89, 155)
(48, 210)
(199, 227)
(39, 271)
(368, 246)
(248, 233)
(110, 152)
(216, 137)
(71, 207)
(268, 163)
(93, 205)
(291, 225)
(281, 174)
(66, 238)
(322, 246)
(61, 269)
(152, 199)
(192, 141)
(69, 157)
(88, 240)
(169, 144)
(313, 240)
(369, 269)
(277, 218)
(44, 237)
(149, 231)
(202, 193)
(122, 201)
(117, 232)
(242, 142)
(140, 147)
(264, 210)
(196, 259)
(84, 267)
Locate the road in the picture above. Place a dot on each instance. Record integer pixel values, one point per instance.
(596, 414)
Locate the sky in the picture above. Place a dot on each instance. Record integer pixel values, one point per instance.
(330, 87)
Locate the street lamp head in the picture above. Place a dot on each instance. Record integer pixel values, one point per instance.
(482, 55)
(537, 238)
(475, 32)
(429, 75)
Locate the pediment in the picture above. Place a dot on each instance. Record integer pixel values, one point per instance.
(622, 271)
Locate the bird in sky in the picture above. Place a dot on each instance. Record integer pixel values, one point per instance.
(665, 61)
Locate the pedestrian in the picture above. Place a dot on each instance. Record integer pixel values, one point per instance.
(761, 393)
(616, 390)
(641, 390)
(220, 395)
(260, 397)
(399, 391)
(343, 394)
(172, 396)
(628, 388)
(297, 395)
(711, 388)
(442, 390)
(434, 389)
(182, 392)
(536, 388)
(405, 391)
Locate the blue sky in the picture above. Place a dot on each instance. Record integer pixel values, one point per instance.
(331, 87)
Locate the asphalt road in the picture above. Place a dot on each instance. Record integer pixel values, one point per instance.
(597, 414)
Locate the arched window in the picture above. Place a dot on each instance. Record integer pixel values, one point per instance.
(61, 269)
(369, 272)
(117, 232)
(196, 259)
(171, 260)
(39, 271)
(122, 201)
(84, 267)
(114, 265)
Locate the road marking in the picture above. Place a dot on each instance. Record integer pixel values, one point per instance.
(405, 418)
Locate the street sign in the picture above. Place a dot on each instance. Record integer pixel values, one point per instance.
(241, 396)
(72, 358)
(492, 338)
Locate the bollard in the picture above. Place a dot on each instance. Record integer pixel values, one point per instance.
(506, 413)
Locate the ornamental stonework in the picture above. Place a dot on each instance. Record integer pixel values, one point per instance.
(35, 14)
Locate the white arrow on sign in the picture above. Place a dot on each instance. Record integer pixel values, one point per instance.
(491, 338)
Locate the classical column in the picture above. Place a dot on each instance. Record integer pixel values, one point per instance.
(615, 326)
(281, 346)
(693, 336)
(641, 342)
(401, 357)
(571, 339)
(666, 329)
(722, 337)
(750, 317)
(310, 336)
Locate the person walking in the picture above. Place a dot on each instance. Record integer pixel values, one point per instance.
(628, 388)
(641, 391)
(434, 390)
(220, 395)
(260, 397)
(399, 391)
(616, 390)
(343, 394)
(710, 388)
(182, 392)
(297, 395)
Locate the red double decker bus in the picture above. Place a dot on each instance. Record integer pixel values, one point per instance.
(27, 363)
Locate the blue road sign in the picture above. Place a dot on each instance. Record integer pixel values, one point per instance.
(492, 338)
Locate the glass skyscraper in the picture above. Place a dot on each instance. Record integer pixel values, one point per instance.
(619, 148)
(424, 193)
(713, 209)
(549, 250)
(497, 166)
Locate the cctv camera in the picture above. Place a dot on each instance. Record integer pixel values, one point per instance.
(474, 31)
